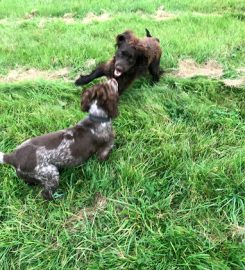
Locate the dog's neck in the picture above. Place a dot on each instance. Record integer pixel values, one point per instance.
(101, 123)
(97, 114)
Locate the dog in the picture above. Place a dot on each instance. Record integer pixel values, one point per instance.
(38, 160)
(133, 58)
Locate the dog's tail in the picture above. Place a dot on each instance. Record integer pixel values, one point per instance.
(7, 158)
(2, 158)
(148, 34)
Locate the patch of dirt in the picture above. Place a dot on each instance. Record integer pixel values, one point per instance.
(241, 70)
(161, 14)
(89, 63)
(188, 68)
(100, 204)
(68, 15)
(237, 232)
(206, 14)
(236, 83)
(18, 75)
(87, 66)
(31, 15)
(90, 17)
(68, 18)
(42, 23)
(3, 21)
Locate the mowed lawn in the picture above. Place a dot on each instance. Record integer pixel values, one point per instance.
(172, 193)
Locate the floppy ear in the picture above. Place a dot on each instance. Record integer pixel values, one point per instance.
(111, 105)
(86, 99)
(124, 37)
(120, 39)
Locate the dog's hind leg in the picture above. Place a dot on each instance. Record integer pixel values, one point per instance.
(104, 151)
(27, 179)
(154, 69)
(49, 179)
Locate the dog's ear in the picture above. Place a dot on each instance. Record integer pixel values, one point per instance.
(120, 39)
(112, 106)
(87, 97)
(124, 37)
(108, 100)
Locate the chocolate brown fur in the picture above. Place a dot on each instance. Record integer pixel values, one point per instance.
(105, 99)
(133, 58)
(38, 160)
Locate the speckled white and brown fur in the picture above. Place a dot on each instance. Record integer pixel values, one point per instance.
(37, 160)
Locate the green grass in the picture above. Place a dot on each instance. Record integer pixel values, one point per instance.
(15, 8)
(175, 179)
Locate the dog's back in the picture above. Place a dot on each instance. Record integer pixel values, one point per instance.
(151, 48)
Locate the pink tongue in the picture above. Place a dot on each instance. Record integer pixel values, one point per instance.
(117, 73)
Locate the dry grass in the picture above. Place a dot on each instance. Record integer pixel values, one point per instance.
(21, 74)
(188, 68)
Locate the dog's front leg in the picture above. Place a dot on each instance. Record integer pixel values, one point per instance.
(49, 178)
(103, 69)
(104, 151)
(98, 72)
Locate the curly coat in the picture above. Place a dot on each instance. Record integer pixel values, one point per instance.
(104, 96)
(133, 58)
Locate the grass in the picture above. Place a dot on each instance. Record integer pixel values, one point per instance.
(174, 182)
(15, 8)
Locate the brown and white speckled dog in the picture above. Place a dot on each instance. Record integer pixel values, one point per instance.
(37, 160)
(133, 58)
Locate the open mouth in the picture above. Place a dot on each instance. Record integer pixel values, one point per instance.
(118, 72)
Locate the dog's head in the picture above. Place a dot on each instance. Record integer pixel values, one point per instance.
(104, 96)
(128, 54)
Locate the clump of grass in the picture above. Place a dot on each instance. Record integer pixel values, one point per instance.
(174, 183)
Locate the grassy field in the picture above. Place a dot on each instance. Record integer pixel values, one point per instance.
(173, 189)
